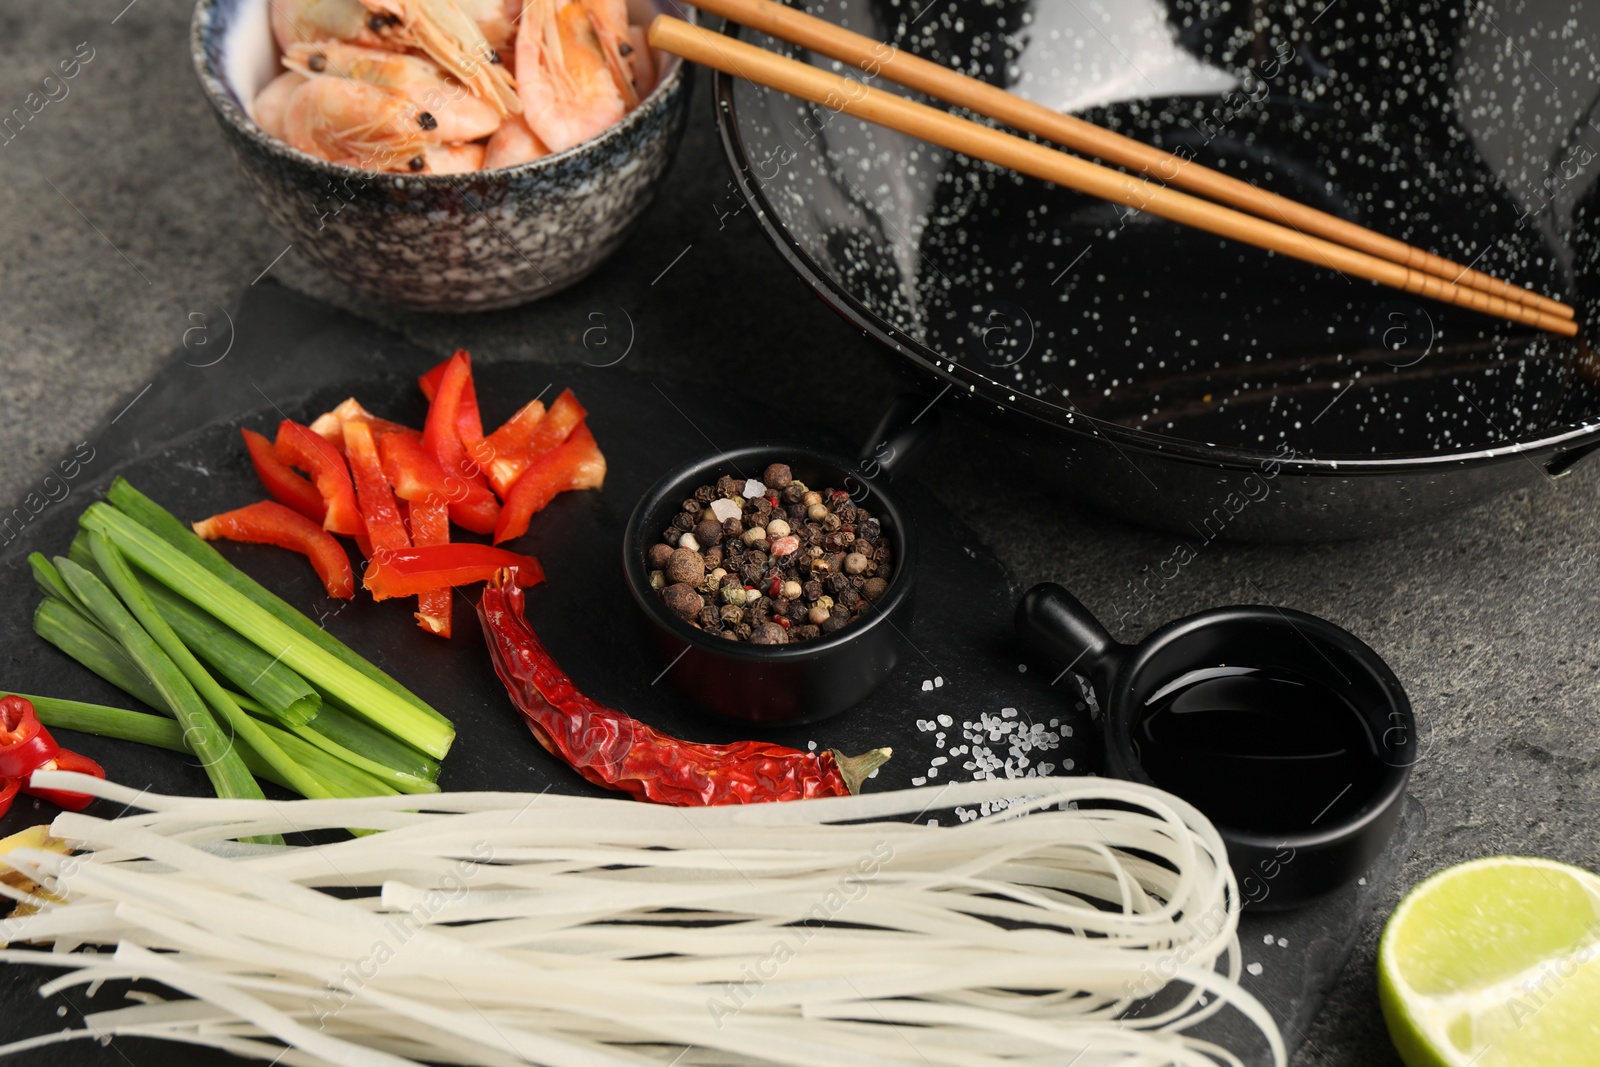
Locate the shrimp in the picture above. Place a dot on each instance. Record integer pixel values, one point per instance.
(513, 143)
(356, 124)
(496, 18)
(452, 158)
(270, 103)
(610, 21)
(565, 73)
(459, 116)
(453, 40)
(643, 61)
(329, 20)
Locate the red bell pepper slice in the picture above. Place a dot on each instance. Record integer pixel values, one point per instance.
(419, 569)
(280, 481)
(575, 464)
(25, 744)
(442, 438)
(269, 523)
(430, 526)
(469, 423)
(556, 426)
(386, 531)
(417, 476)
(303, 447)
(67, 761)
(330, 424)
(499, 450)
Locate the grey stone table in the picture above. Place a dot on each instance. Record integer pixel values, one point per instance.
(123, 224)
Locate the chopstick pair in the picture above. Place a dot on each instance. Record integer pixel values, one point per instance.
(1305, 233)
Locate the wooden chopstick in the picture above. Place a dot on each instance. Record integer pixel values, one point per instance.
(953, 87)
(1041, 161)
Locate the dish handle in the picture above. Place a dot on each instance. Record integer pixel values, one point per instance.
(901, 439)
(1051, 621)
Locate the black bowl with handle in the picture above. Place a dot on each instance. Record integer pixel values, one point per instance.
(1301, 815)
(807, 681)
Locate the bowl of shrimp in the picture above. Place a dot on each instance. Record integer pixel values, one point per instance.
(445, 155)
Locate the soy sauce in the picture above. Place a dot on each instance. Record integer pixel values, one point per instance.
(1259, 749)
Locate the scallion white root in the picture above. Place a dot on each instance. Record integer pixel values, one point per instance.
(1090, 922)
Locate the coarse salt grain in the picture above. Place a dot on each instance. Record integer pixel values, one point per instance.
(753, 489)
(1255, 969)
(938, 679)
(927, 686)
(725, 509)
(946, 721)
(1283, 942)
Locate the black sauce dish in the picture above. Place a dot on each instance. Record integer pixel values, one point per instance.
(1298, 823)
(804, 682)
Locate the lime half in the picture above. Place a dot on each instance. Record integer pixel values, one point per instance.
(1495, 963)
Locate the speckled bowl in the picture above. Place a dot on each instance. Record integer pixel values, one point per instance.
(468, 242)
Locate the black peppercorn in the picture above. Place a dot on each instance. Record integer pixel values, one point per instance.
(416, 163)
(827, 570)
(708, 531)
(685, 565)
(427, 121)
(682, 600)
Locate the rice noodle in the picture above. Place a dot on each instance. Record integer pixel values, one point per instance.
(1089, 921)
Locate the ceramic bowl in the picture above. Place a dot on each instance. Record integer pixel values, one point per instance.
(772, 685)
(466, 242)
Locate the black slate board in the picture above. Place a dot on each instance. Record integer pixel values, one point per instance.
(963, 663)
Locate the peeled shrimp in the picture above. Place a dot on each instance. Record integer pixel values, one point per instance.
(565, 73)
(326, 20)
(356, 124)
(270, 103)
(454, 41)
(513, 143)
(459, 115)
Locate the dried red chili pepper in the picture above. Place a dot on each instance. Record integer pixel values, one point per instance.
(618, 752)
